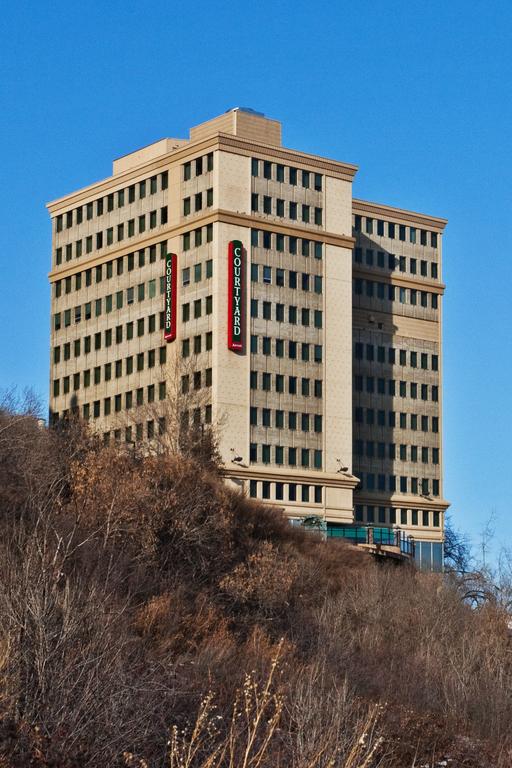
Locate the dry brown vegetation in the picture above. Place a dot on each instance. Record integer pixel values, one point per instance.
(150, 616)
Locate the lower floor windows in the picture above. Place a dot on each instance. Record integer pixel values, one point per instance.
(370, 515)
(370, 481)
(280, 491)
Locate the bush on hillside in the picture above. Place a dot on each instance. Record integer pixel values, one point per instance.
(132, 587)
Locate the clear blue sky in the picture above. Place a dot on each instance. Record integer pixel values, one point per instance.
(417, 94)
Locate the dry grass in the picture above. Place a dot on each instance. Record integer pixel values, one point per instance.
(131, 586)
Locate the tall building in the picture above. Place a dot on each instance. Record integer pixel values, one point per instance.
(306, 324)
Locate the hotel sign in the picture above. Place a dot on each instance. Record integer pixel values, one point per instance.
(235, 296)
(170, 297)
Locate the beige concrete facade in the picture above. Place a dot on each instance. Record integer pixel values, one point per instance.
(288, 406)
(398, 289)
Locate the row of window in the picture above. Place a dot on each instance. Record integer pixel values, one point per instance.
(64, 352)
(385, 291)
(130, 292)
(195, 203)
(279, 384)
(197, 272)
(392, 516)
(369, 481)
(265, 417)
(197, 308)
(268, 346)
(106, 271)
(94, 377)
(279, 242)
(293, 457)
(378, 417)
(127, 297)
(277, 207)
(389, 354)
(277, 276)
(113, 235)
(141, 291)
(196, 380)
(264, 489)
(396, 262)
(129, 432)
(379, 227)
(413, 453)
(198, 166)
(107, 304)
(195, 345)
(113, 200)
(127, 332)
(197, 237)
(293, 313)
(285, 174)
(379, 387)
(115, 404)
(129, 399)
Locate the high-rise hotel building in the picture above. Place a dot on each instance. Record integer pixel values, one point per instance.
(306, 324)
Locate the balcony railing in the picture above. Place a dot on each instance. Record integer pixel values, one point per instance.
(376, 536)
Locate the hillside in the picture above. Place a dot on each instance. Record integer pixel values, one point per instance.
(150, 616)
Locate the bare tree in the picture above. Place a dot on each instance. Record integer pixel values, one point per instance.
(458, 557)
(176, 424)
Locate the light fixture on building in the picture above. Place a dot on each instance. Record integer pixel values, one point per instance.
(341, 467)
(236, 459)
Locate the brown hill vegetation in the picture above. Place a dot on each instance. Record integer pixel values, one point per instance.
(150, 616)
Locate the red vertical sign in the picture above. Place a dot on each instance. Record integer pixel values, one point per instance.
(171, 282)
(236, 296)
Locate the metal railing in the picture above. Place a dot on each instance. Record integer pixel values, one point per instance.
(378, 536)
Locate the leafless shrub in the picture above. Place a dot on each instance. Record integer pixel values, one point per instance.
(257, 731)
(130, 584)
